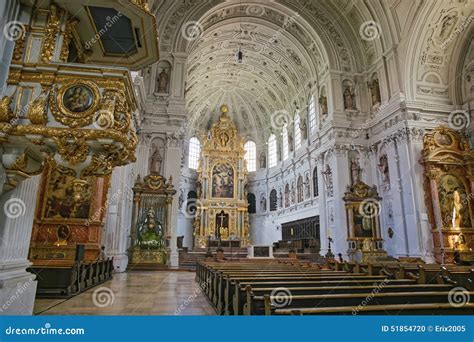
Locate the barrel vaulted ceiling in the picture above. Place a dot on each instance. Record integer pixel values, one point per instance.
(287, 46)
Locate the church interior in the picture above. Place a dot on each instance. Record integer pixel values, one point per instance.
(239, 157)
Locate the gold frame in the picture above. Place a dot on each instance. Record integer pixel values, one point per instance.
(65, 116)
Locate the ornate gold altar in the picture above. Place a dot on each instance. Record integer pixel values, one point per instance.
(151, 234)
(222, 212)
(449, 184)
(363, 223)
(66, 216)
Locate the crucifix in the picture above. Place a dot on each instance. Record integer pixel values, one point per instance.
(222, 217)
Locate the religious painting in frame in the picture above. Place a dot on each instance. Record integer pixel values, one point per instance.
(223, 181)
(60, 200)
(363, 225)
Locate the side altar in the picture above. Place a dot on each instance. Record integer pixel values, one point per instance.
(152, 200)
(222, 213)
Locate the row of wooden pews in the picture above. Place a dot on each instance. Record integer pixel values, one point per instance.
(282, 287)
(67, 279)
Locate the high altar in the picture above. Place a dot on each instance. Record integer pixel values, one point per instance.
(222, 213)
(449, 184)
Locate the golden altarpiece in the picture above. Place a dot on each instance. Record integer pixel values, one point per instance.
(222, 213)
(364, 239)
(448, 185)
(151, 232)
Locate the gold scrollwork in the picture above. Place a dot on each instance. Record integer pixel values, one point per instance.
(72, 149)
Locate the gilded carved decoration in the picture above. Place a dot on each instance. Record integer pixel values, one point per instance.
(448, 184)
(222, 186)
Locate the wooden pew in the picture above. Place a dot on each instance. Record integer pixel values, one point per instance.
(264, 304)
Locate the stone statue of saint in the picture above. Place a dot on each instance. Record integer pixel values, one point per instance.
(383, 167)
(263, 161)
(323, 102)
(304, 129)
(163, 81)
(349, 98)
(375, 92)
(155, 161)
(355, 172)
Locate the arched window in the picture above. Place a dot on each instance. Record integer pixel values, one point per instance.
(273, 200)
(312, 115)
(251, 155)
(252, 203)
(299, 189)
(297, 132)
(315, 182)
(194, 153)
(285, 142)
(272, 151)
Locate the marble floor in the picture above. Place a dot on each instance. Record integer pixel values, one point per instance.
(135, 293)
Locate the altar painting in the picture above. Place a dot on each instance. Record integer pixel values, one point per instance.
(454, 202)
(223, 181)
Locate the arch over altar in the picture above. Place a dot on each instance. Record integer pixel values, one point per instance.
(222, 213)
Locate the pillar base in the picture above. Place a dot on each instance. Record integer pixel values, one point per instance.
(17, 289)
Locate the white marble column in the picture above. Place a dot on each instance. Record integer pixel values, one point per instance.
(173, 168)
(17, 286)
(340, 170)
(323, 221)
(119, 216)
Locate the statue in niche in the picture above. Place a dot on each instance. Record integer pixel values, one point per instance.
(383, 167)
(375, 92)
(198, 189)
(327, 174)
(293, 194)
(355, 172)
(155, 160)
(457, 207)
(304, 129)
(323, 103)
(280, 200)
(263, 161)
(263, 203)
(290, 142)
(163, 81)
(150, 232)
(307, 187)
(349, 98)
